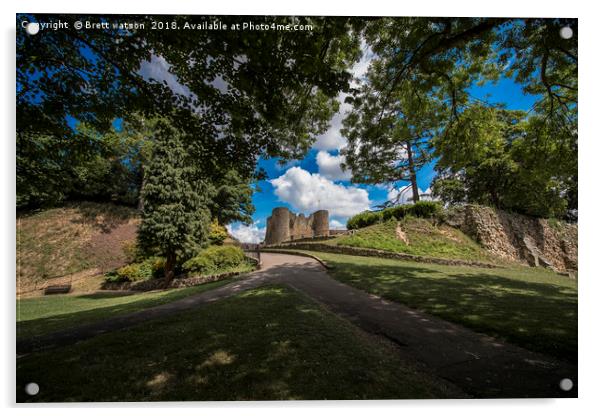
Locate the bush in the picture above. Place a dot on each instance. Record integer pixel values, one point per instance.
(217, 233)
(425, 209)
(397, 212)
(421, 209)
(153, 267)
(364, 219)
(215, 258)
(199, 264)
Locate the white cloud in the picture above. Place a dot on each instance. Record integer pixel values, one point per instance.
(308, 192)
(158, 69)
(329, 166)
(337, 225)
(332, 138)
(247, 233)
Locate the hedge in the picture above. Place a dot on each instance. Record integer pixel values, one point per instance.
(421, 209)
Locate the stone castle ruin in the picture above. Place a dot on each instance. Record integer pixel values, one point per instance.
(284, 226)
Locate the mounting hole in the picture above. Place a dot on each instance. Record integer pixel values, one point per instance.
(32, 28)
(32, 389)
(566, 32)
(566, 384)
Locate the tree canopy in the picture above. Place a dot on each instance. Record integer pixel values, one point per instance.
(238, 96)
(417, 91)
(87, 107)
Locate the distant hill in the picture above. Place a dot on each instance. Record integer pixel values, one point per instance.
(72, 239)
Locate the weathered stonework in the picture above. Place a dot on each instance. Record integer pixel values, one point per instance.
(534, 241)
(283, 226)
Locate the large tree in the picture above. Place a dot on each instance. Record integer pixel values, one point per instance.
(505, 159)
(440, 59)
(176, 218)
(234, 94)
(389, 147)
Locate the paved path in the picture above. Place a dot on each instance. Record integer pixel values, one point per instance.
(480, 365)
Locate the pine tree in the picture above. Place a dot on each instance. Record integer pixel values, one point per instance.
(175, 219)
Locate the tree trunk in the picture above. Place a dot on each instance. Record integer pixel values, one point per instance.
(140, 199)
(412, 171)
(170, 265)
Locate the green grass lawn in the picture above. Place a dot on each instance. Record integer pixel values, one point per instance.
(42, 315)
(425, 239)
(534, 308)
(270, 343)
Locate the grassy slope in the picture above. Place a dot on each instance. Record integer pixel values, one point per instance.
(425, 240)
(70, 239)
(534, 308)
(266, 344)
(42, 315)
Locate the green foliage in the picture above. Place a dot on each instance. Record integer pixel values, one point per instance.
(364, 219)
(214, 259)
(416, 99)
(199, 265)
(150, 268)
(421, 209)
(389, 142)
(175, 219)
(425, 209)
(232, 200)
(95, 78)
(40, 170)
(504, 159)
(88, 166)
(217, 233)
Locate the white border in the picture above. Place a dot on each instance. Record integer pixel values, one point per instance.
(590, 235)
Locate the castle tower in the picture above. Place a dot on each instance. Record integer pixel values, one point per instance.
(284, 226)
(278, 226)
(320, 223)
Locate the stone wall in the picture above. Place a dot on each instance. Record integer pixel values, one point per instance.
(528, 240)
(283, 225)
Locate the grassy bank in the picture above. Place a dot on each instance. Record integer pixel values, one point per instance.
(265, 344)
(66, 240)
(42, 315)
(531, 307)
(423, 239)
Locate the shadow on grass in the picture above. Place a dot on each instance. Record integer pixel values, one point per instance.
(43, 326)
(537, 315)
(267, 344)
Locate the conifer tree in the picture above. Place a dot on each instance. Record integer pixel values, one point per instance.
(175, 218)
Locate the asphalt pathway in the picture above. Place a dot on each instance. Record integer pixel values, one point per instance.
(478, 364)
